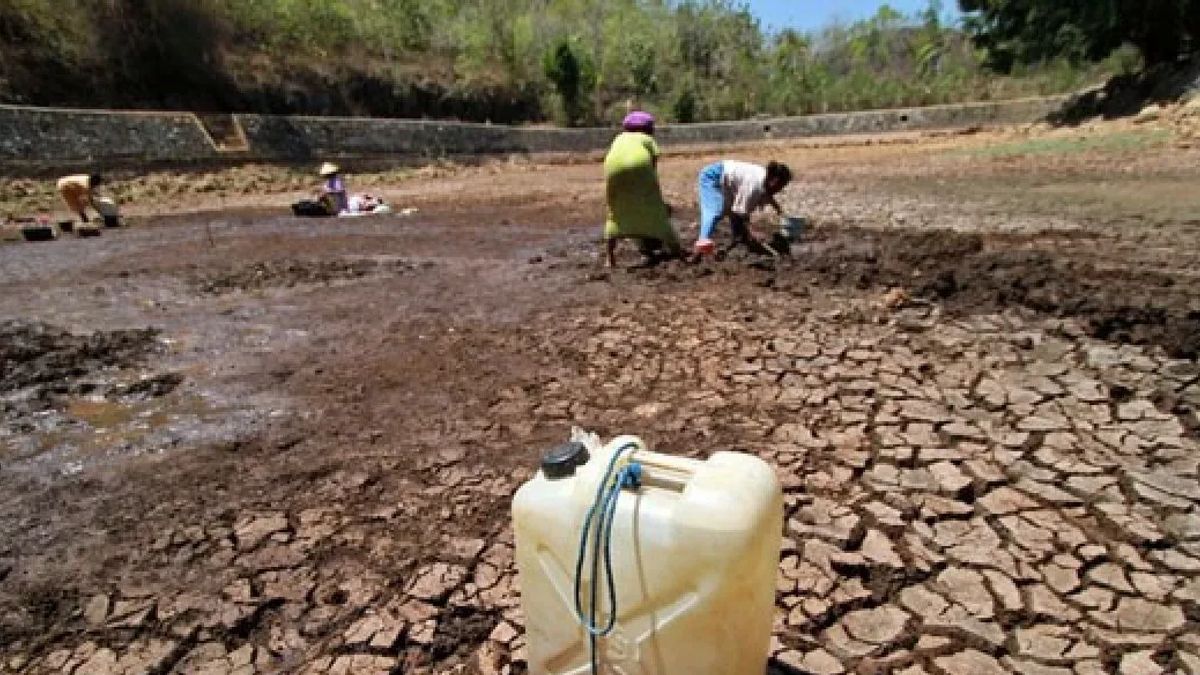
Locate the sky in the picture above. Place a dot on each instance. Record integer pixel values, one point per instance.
(813, 14)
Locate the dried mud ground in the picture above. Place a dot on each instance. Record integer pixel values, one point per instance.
(238, 442)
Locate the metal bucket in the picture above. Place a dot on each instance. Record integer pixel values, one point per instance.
(793, 227)
(109, 211)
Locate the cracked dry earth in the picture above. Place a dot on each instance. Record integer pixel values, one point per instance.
(977, 480)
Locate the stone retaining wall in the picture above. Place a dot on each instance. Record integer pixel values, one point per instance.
(99, 137)
(59, 138)
(275, 137)
(870, 121)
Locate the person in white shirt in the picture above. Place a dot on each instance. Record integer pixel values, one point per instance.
(736, 189)
(79, 192)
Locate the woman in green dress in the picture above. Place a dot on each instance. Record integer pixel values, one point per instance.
(636, 209)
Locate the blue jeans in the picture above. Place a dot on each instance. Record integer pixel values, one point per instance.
(712, 199)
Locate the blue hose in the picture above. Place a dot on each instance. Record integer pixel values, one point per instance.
(601, 514)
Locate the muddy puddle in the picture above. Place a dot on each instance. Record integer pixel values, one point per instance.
(87, 432)
(70, 400)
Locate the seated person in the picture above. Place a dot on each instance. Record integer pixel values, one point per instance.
(333, 192)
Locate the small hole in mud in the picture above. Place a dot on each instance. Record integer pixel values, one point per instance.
(904, 118)
(338, 597)
(1120, 393)
(766, 128)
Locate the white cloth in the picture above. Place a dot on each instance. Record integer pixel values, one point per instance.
(358, 206)
(744, 186)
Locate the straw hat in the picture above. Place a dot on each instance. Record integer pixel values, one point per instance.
(328, 169)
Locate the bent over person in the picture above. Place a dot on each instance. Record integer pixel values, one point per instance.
(79, 192)
(736, 190)
(636, 209)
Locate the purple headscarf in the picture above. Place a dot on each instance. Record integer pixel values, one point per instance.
(639, 121)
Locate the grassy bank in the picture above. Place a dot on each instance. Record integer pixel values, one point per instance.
(570, 61)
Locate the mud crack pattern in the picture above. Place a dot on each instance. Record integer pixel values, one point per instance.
(985, 428)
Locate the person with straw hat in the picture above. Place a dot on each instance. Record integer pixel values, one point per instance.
(333, 192)
(636, 209)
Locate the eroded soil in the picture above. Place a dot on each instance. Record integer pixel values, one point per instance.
(266, 444)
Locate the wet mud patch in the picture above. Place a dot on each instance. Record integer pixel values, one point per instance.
(38, 354)
(968, 273)
(292, 272)
(83, 395)
(978, 273)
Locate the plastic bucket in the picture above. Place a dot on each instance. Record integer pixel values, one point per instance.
(793, 227)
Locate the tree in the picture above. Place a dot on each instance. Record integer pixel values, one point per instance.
(695, 38)
(572, 74)
(1034, 31)
(642, 67)
(683, 108)
(932, 42)
(790, 59)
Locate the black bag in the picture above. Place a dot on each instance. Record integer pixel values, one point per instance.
(307, 208)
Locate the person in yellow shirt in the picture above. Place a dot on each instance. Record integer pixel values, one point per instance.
(79, 192)
(636, 209)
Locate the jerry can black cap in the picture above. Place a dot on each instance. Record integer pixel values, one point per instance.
(561, 461)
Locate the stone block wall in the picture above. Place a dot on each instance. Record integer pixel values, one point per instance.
(277, 137)
(95, 137)
(866, 122)
(59, 139)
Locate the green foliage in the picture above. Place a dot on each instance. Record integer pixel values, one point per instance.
(1033, 31)
(42, 24)
(572, 74)
(642, 67)
(584, 61)
(684, 106)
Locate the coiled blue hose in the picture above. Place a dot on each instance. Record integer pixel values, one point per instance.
(601, 514)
